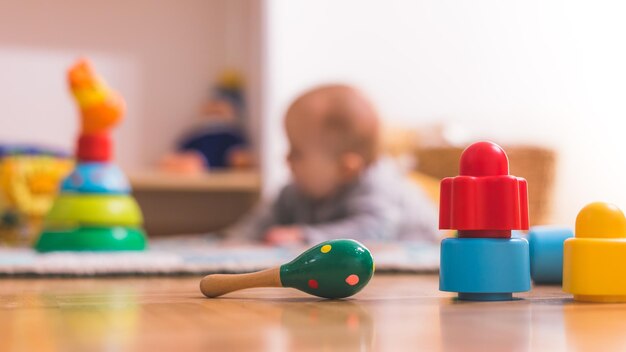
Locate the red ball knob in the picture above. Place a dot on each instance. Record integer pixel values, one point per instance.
(484, 159)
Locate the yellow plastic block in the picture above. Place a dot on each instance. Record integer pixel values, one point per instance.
(594, 261)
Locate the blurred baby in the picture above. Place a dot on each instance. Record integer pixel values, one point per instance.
(340, 186)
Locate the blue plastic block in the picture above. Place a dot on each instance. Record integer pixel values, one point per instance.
(484, 269)
(546, 253)
(93, 177)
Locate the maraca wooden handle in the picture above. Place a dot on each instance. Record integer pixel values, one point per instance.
(219, 284)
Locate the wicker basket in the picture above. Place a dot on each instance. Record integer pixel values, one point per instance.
(537, 165)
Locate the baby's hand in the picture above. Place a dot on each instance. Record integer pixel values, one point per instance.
(284, 236)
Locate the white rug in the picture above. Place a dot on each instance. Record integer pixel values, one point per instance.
(197, 255)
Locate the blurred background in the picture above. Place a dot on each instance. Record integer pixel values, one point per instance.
(545, 79)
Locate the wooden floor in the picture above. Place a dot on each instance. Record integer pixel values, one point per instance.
(394, 313)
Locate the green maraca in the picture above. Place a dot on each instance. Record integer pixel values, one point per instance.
(332, 269)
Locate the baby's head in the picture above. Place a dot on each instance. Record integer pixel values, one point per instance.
(333, 137)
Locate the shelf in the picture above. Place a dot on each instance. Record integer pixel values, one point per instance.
(213, 181)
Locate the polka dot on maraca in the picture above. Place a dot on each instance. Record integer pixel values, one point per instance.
(313, 283)
(326, 248)
(352, 280)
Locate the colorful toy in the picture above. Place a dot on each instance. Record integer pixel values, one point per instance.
(484, 204)
(594, 261)
(546, 253)
(29, 179)
(94, 211)
(220, 140)
(332, 269)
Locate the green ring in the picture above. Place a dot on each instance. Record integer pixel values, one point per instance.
(92, 239)
(73, 210)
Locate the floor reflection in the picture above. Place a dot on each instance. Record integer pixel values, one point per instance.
(595, 326)
(328, 325)
(288, 324)
(72, 323)
(485, 325)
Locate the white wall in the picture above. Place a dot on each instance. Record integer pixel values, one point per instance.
(547, 72)
(162, 55)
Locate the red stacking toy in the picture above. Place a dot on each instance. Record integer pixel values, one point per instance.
(484, 203)
(94, 147)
